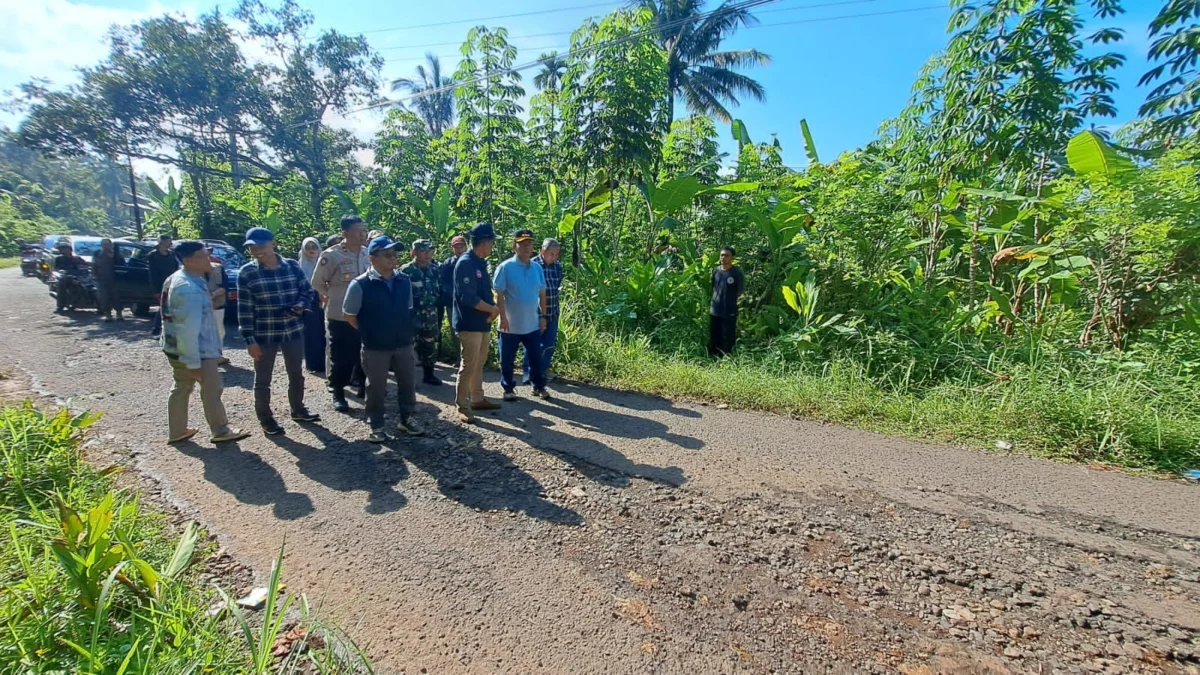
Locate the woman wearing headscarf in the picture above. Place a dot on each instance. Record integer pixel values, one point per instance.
(314, 318)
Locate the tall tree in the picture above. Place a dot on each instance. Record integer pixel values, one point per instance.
(1174, 102)
(698, 71)
(433, 95)
(551, 74)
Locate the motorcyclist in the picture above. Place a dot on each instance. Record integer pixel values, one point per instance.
(68, 264)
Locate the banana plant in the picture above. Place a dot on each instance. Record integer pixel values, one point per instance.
(165, 207)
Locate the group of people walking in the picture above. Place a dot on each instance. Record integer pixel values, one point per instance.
(380, 317)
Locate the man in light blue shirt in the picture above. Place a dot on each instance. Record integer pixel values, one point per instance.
(520, 286)
(190, 341)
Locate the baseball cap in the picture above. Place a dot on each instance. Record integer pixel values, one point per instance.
(422, 245)
(381, 243)
(257, 236)
(523, 235)
(458, 239)
(164, 237)
(482, 232)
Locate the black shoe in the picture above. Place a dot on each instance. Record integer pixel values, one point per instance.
(340, 405)
(430, 378)
(378, 436)
(272, 428)
(303, 415)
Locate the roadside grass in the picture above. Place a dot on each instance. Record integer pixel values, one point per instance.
(6, 263)
(92, 580)
(1057, 410)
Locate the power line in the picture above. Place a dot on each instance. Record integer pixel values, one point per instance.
(568, 32)
(744, 4)
(488, 18)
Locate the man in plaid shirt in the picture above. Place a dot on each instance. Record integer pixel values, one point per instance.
(553, 269)
(272, 295)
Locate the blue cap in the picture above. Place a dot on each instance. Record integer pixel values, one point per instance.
(257, 236)
(380, 243)
(482, 232)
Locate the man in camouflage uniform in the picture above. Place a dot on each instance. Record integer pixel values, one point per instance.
(426, 290)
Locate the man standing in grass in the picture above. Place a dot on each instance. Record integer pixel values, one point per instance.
(728, 283)
(189, 339)
(521, 297)
(473, 313)
(426, 293)
(379, 305)
(272, 295)
(553, 271)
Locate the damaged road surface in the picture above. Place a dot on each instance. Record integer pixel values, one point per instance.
(611, 532)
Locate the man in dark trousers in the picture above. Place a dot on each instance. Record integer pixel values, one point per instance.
(162, 263)
(273, 293)
(446, 269)
(728, 284)
(336, 268)
(379, 304)
(473, 313)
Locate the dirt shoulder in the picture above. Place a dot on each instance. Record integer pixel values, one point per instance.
(612, 532)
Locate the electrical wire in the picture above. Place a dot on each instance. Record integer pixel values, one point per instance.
(488, 18)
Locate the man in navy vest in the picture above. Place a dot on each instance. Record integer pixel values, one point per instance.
(379, 305)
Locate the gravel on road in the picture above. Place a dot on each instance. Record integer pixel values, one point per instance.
(609, 532)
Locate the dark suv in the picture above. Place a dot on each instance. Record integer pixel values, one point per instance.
(132, 275)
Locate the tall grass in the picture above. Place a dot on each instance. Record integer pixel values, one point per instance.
(1146, 420)
(91, 580)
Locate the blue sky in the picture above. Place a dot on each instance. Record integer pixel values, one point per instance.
(846, 66)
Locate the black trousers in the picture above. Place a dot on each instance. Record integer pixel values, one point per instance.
(722, 334)
(345, 356)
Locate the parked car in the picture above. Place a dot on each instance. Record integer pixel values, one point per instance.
(232, 260)
(132, 275)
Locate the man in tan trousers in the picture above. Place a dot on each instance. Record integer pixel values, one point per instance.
(473, 313)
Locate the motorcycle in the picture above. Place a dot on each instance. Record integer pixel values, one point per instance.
(30, 260)
(75, 290)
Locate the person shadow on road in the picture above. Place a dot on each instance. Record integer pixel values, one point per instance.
(249, 479)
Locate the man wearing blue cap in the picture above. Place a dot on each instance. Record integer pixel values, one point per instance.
(272, 295)
(379, 305)
(472, 316)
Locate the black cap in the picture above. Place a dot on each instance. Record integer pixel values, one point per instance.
(482, 232)
(522, 235)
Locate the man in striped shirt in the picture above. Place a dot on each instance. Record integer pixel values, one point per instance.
(548, 259)
(273, 293)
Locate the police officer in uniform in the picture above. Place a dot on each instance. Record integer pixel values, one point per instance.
(426, 290)
(336, 268)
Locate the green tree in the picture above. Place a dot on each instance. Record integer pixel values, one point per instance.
(433, 95)
(698, 71)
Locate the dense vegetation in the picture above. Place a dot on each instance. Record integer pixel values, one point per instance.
(990, 267)
(94, 582)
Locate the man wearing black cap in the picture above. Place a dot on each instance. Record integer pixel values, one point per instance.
(162, 263)
(521, 297)
(336, 268)
(426, 293)
(379, 304)
(473, 313)
(272, 295)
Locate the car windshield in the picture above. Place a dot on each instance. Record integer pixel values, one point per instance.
(86, 247)
(230, 258)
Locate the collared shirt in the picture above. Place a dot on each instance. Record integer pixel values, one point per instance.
(336, 268)
(522, 285)
(472, 284)
(554, 277)
(104, 266)
(265, 300)
(352, 302)
(189, 332)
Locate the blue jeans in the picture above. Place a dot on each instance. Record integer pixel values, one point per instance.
(549, 341)
(508, 356)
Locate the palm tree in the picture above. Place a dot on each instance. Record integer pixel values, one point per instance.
(551, 74)
(436, 109)
(696, 71)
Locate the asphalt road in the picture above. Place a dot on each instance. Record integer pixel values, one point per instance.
(611, 532)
